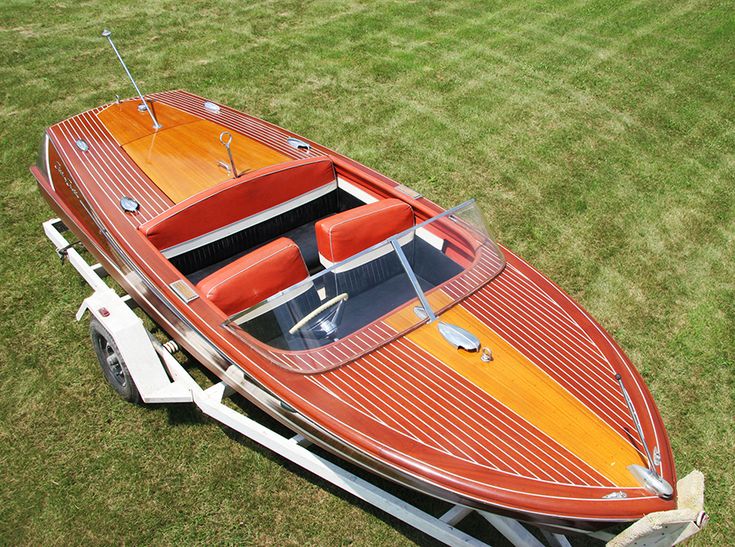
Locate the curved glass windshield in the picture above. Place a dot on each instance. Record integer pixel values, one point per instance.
(356, 305)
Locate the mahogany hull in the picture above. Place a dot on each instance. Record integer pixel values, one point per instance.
(536, 484)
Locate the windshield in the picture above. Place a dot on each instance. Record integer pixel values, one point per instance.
(358, 304)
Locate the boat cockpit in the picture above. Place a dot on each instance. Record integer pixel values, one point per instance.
(300, 259)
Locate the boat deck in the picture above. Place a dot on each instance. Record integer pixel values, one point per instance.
(127, 157)
(402, 403)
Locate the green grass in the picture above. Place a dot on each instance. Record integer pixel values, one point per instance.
(598, 136)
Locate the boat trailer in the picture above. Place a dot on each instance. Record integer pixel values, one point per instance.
(160, 378)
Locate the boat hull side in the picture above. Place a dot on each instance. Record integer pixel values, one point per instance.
(192, 335)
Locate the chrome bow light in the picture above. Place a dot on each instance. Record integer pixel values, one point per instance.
(647, 477)
(459, 337)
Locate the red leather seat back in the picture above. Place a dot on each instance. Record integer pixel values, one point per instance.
(345, 234)
(254, 277)
(237, 199)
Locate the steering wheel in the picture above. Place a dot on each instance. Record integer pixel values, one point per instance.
(339, 299)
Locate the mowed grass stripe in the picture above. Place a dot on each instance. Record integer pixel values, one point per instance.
(598, 136)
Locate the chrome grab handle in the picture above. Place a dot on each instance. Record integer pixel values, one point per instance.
(226, 139)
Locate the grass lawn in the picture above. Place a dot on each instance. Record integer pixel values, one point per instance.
(598, 136)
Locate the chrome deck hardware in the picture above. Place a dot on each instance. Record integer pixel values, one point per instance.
(226, 139)
(128, 204)
(298, 144)
(209, 106)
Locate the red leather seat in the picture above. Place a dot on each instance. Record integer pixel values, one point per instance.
(254, 277)
(345, 234)
(234, 200)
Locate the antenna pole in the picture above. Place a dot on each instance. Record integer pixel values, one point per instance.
(107, 34)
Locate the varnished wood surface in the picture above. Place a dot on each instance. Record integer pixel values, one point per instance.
(516, 382)
(183, 160)
(126, 123)
(400, 374)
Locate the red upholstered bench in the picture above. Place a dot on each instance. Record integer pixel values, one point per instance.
(226, 208)
(346, 234)
(254, 277)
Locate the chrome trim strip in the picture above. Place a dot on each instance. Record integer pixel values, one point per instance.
(48, 164)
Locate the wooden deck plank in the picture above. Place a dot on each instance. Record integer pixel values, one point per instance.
(183, 160)
(515, 381)
(126, 123)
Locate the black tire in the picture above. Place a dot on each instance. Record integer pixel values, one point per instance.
(111, 362)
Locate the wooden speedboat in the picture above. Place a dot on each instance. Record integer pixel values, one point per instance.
(387, 330)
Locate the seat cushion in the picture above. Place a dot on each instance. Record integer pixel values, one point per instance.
(254, 277)
(345, 234)
(234, 204)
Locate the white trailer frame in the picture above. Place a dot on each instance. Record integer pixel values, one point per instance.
(160, 378)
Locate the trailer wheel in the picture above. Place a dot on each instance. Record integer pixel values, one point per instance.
(113, 365)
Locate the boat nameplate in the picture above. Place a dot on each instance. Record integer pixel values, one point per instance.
(410, 192)
(82, 145)
(184, 291)
(128, 204)
(298, 144)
